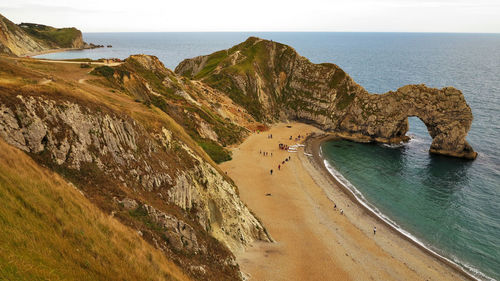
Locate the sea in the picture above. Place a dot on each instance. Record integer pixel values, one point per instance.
(452, 206)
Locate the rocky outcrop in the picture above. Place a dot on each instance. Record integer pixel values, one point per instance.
(273, 82)
(384, 118)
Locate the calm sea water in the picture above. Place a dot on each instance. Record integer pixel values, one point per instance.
(449, 204)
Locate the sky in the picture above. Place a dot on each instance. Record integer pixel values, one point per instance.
(477, 16)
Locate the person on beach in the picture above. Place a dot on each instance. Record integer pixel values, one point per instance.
(271, 172)
(341, 211)
(335, 206)
(279, 167)
(374, 230)
(271, 154)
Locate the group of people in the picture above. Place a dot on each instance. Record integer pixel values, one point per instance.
(283, 146)
(283, 163)
(265, 153)
(297, 138)
(270, 136)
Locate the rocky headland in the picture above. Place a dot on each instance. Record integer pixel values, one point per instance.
(27, 39)
(275, 83)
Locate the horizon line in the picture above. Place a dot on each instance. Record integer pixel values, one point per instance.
(278, 31)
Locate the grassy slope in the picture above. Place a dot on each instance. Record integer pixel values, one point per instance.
(253, 54)
(49, 231)
(55, 37)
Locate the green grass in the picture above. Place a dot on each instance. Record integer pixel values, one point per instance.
(57, 37)
(104, 71)
(49, 231)
(215, 151)
(212, 62)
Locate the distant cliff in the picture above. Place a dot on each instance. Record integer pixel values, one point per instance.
(273, 82)
(27, 38)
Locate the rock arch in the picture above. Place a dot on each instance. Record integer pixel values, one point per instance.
(384, 118)
(273, 82)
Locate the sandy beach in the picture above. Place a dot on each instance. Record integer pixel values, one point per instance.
(313, 240)
(59, 50)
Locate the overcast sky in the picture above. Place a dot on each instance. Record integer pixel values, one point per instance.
(260, 15)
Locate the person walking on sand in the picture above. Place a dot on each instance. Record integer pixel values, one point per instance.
(279, 167)
(271, 172)
(374, 230)
(341, 211)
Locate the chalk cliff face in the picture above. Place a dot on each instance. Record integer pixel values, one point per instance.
(275, 83)
(133, 161)
(27, 38)
(13, 40)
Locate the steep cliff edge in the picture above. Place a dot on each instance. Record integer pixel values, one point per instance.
(131, 159)
(274, 82)
(27, 38)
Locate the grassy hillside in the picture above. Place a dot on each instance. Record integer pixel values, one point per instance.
(244, 60)
(49, 231)
(55, 37)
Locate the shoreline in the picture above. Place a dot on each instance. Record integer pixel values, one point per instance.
(34, 54)
(313, 146)
(314, 240)
(59, 50)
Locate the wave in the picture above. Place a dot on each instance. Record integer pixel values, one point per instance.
(470, 270)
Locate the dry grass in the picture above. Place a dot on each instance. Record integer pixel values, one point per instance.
(49, 231)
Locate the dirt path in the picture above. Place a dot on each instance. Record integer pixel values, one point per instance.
(313, 240)
(80, 62)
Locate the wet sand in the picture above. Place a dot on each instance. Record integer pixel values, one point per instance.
(313, 240)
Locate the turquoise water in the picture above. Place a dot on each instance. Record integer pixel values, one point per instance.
(449, 204)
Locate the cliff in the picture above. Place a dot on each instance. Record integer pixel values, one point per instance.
(129, 157)
(27, 38)
(212, 119)
(274, 83)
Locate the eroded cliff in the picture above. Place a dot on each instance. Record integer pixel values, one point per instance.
(274, 83)
(132, 160)
(28, 38)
